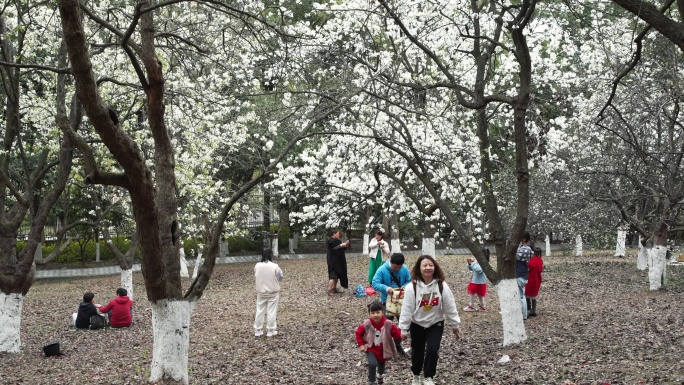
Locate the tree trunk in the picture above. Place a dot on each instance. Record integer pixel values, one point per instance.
(429, 237)
(366, 241)
(183, 264)
(511, 312)
(547, 242)
(657, 267)
(10, 319)
(198, 265)
(38, 257)
(127, 281)
(223, 248)
(274, 245)
(395, 241)
(620, 244)
(578, 246)
(294, 240)
(642, 256)
(171, 330)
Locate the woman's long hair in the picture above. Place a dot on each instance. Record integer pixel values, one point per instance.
(417, 276)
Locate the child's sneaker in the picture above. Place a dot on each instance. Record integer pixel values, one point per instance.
(272, 333)
(481, 309)
(468, 308)
(380, 380)
(258, 333)
(416, 380)
(428, 381)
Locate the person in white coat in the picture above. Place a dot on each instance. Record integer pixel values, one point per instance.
(379, 252)
(428, 304)
(268, 275)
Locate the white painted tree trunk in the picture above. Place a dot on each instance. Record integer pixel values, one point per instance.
(547, 242)
(428, 247)
(395, 246)
(274, 247)
(97, 251)
(291, 244)
(198, 264)
(642, 256)
(183, 264)
(223, 249)
(10, 322)
(171, 331)
(578, 246)
(366, 241)
(511, 312)
(127, 281)
(38, 256)
(620, 244)
(657, 266)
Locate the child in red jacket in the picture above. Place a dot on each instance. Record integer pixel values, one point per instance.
(119, 309)
(534, 280)
(375, 337)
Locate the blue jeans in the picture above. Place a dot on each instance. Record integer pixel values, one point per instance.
(521, 289)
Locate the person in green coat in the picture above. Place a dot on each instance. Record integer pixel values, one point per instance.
(379, 252)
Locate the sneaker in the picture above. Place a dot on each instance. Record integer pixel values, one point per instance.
(482, 309)
(468, 308)
(407, 351)
(416, 380)
(258, 333)
(428, 381)
(272, 333)
(380, 380)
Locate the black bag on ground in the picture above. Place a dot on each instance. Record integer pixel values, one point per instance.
(97, 322)
(52, 349)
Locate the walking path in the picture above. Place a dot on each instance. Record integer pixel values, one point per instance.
(113, 270)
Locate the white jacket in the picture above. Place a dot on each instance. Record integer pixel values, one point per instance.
(427, 307)
(268, 274)
(373, 246)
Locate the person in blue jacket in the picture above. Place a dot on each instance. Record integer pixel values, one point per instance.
(392, 275)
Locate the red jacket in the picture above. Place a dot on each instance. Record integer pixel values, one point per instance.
(121, 312)
(389, 331)
(534, 279)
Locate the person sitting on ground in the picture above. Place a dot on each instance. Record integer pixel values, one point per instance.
(86, 309)
(119, 309)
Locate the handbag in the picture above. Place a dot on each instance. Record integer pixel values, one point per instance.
(97, 322)
(370, 291)
(394, 302)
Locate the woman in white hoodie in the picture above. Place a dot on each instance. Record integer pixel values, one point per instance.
(428, 303)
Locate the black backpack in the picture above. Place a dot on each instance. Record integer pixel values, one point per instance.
(97, 322)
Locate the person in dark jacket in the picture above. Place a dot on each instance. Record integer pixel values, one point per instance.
(119, 309)
(86, 309)
(337, 262)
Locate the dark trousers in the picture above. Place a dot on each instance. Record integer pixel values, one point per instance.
(373, 364)
(425, 344)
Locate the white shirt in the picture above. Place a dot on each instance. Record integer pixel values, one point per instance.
(268, 274)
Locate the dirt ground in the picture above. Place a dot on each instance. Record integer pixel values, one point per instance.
(597, 324)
